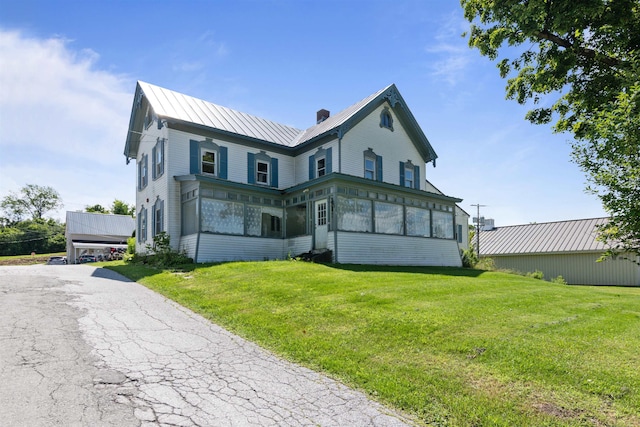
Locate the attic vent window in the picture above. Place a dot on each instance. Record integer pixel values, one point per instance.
(386, 119)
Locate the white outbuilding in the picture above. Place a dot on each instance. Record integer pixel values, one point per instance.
(96, 234)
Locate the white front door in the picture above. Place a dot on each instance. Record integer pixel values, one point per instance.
(321, 228)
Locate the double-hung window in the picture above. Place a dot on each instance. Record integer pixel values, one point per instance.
(142, 225)
(158, 217)
(262, 169)
(209, 157)
(372, 165)
(409, 175)
(321, 164)
(262, 172)
(409, 178)
(143, 174)
(158, 159)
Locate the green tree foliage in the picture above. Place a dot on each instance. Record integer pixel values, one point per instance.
(587, 54)
(121, 208)
(97, 209)
(34, 235)
(32, 200)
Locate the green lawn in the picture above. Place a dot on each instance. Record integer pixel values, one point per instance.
(452, 347)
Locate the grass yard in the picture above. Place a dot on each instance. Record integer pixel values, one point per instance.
(28, 259)
(452, 347)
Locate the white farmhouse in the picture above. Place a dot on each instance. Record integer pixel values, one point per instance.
(226, 185)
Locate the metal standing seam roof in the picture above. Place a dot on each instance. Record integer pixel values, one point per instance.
(550, 237)
(174, 105)
(101, 225)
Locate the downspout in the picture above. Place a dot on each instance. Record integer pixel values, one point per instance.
(333, 200)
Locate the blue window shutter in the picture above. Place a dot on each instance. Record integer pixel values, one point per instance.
(194, 157)
(161, 146)
(312, 167)
(251, 168)
(146, 170)
(161, 216)
(379, 168)
(402, 174)
(274, 172)
(329, 161)
(153, 162)
(153, 221)
(223, 162)
(140, 175)
(416, 177)
(139, 231)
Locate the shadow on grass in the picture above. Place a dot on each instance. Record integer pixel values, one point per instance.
(444, 271)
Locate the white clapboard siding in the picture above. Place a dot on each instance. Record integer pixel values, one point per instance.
(394, 147)
(188, 245)
(298, 245)
(359, 248)
(220, 247)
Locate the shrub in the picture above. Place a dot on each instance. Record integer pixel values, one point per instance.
(131, 245)
(536, 275)
(560, 280)
(160, 253)
(486, 264)
(469, 258)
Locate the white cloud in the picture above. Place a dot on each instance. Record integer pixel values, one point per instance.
(63, 122)
(449, 52)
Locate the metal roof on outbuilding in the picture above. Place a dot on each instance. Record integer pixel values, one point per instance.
(543, 238)
(99, 225)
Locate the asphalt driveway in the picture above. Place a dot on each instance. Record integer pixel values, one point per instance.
(81, 346)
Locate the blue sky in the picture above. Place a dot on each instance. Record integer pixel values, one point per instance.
(68, 71)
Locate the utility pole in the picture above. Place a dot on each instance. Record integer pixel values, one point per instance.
(477, 221)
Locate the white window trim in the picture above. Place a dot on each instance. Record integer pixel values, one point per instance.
(260, 173)
(216, 160)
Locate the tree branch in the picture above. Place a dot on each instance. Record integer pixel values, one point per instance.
(581, 51)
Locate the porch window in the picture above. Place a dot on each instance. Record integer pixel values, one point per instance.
(264, 221)
(222, 217)
(442, 225)
(418, 222)
(296, 220)
(354, 214)
(388, 218)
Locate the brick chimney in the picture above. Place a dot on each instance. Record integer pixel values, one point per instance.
(322, 115)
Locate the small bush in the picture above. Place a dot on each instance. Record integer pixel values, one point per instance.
(486, 264)
(536, 275)
(560, 280)
(160, 254)
(131, 245)
(469, 258)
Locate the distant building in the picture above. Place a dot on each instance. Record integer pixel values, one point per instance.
(565, 248)
(96, 234)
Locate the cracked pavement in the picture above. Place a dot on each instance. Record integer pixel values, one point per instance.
(83, 346)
